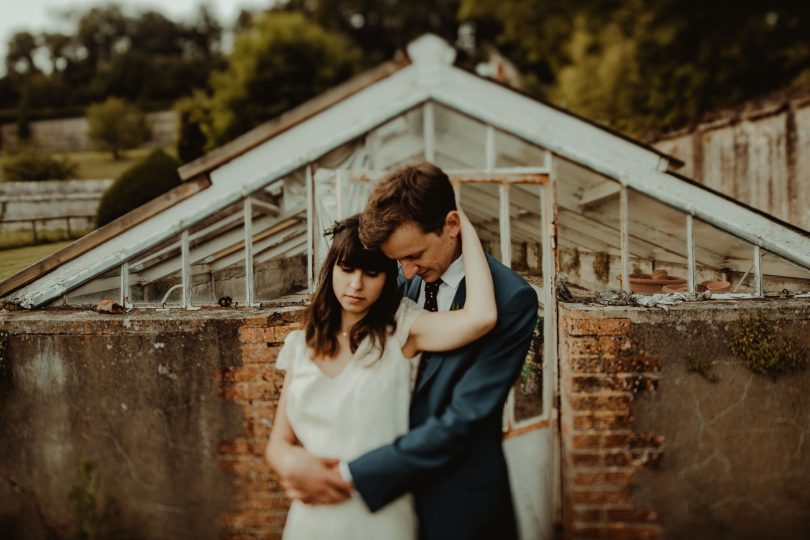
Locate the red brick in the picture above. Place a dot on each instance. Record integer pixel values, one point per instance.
(632, 515)
(588, 383)
(602, 421)
(588, 515)
(588, 478)
(619, 478)
(581, 327)
(251, 467)
(586, 459)
(639, 383)
(257, 428)
(633, 363)
(585, 363)
(646, 440)
(646, 456)
(614, 344)
(251, 518)
(260, 321)
(583, 346)
(235, 447)
(586, 441)
(281, 332)
(601, 497)
(617, 459)
(251, 334)
(618, 532)
(600, 441)
(248, 391)
(257, 352)
(615, 403)
(251, 372)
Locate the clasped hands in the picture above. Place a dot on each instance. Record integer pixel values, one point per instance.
(312, 479)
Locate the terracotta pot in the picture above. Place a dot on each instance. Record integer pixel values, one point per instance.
(680, 287)
(717, 286)
(647, 285)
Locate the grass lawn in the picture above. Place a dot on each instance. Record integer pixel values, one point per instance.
(100, 165)
(14, 260)
(95, 165)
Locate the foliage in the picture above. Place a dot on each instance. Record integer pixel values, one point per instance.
(30, 163)
(279, 62)
(702, 366)
(382, 28)
(647, 66)
(140, 56)
(91, 520)
(531, 373)
(139, 184)
(193, 113)
(754, 341)
(116, 125)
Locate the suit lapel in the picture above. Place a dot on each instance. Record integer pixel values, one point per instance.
(413, 289)
(437, 358)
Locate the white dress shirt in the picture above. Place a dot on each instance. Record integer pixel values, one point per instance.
(449, 286)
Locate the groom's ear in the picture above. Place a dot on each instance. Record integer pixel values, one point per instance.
(452, 224)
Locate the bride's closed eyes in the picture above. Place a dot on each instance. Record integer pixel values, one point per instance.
(350, 270)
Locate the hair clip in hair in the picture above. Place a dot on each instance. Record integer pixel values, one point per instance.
(334, 229)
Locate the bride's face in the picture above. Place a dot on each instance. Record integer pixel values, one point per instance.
(357, 289)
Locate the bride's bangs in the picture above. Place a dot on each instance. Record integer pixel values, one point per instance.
(352, 254)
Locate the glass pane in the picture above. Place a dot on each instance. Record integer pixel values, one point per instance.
(782, 277)
(725, 263)
(104, 287)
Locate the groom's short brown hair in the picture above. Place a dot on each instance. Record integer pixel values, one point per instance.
(419, 193)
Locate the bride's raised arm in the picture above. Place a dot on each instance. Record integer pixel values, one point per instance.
(445, 331)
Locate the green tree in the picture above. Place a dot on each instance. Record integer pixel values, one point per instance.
(154, 175)
(194, 112)
(142, 56)
(279, 62)
(30, 163)
(647, 66)
(20, 55)
(115, 125)
(382, 28)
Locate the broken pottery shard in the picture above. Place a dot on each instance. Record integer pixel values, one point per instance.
(109, 306)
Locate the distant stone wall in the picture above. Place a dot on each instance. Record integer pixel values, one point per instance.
(666, 434)
(70, 134)
(34, 212)
(760, 156)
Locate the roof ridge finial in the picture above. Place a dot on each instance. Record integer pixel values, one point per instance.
(430, 49)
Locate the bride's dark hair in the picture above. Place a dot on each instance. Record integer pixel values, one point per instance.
(323, 316)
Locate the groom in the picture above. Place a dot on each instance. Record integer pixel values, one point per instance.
(452, 458)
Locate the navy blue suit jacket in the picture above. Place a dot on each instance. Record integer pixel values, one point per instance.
(452, 458)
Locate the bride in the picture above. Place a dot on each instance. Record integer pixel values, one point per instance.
(350, 371)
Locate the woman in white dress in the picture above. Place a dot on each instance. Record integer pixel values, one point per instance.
(349, 373)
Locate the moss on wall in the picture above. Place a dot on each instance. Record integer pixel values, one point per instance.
(764, 351)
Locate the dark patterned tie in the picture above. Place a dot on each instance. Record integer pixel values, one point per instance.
(431, 304)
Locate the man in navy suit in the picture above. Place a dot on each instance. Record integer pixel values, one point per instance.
(452, 458)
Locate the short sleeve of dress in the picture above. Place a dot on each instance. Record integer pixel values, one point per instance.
(406, 314)
(286, 356)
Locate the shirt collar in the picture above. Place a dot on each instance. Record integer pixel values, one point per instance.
(454, 273)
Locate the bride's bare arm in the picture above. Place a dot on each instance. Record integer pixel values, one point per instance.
(445, 331)
(312, 479)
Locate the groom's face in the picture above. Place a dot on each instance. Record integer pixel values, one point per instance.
(425, 254)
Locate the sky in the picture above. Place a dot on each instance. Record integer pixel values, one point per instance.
(38, 15)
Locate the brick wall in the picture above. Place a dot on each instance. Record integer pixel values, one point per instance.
(602, 373)
(259, 507)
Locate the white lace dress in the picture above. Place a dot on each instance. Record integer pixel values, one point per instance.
(361, 408)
